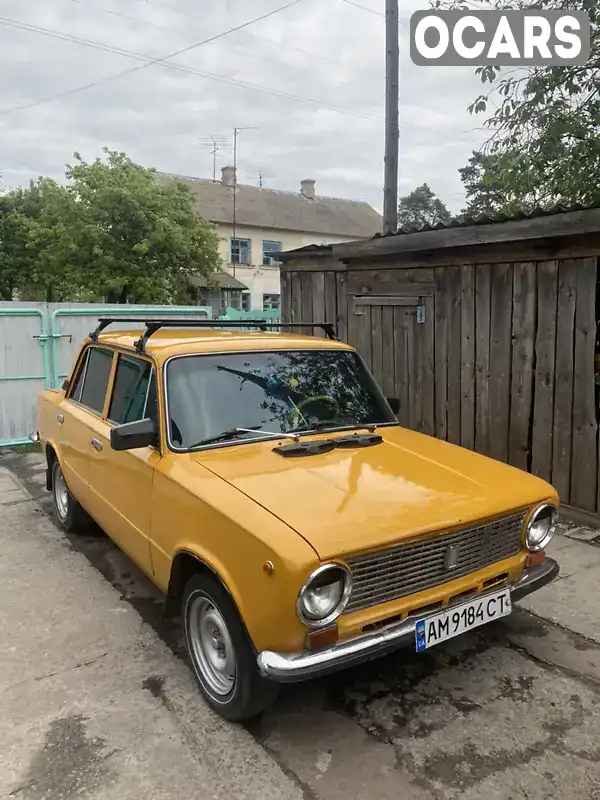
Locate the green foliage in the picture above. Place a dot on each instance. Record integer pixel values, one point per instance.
(421, 207)
(114, 232)
(544, 121)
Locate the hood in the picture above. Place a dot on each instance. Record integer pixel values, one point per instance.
(346, 501)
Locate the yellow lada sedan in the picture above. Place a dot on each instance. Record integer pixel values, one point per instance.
(262, 481)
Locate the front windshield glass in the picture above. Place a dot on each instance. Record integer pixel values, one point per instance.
(210, 396)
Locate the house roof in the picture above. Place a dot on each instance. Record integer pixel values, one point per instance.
(224, 281)
(289, 211)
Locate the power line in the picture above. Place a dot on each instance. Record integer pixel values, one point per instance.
(364, 8)
(149, 61)
(177, 32)
(162, 58)
(244, 32)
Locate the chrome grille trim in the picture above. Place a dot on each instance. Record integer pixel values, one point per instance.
(405, 569)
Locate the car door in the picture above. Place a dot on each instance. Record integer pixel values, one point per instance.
(76, 414)
(120, 483)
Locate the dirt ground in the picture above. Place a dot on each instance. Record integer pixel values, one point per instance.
(509, 711)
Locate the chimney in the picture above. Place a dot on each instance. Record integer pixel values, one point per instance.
(228, 176)
(307, 188)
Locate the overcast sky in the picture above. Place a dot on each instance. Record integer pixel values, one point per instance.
(327, 54)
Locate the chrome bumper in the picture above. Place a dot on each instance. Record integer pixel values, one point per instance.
(293, 667)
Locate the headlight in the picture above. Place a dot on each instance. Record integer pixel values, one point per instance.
(541, 527)
(324, 595)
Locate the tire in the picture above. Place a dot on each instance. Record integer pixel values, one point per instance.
(220, 652)
(69, 514)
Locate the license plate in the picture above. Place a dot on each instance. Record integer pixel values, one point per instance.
(459, 619)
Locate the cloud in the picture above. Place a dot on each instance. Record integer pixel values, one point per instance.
(304, 62)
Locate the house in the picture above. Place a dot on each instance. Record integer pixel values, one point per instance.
(265, 222)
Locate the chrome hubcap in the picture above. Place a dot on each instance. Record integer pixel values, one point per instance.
(61, 494)
(211, 646)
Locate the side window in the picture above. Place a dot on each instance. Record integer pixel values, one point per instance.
(95, 379)
(130, 393)
(77, 385)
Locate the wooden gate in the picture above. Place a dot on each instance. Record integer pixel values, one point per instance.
(394, 334)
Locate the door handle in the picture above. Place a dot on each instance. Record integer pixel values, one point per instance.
(97, 444)
(60, 419)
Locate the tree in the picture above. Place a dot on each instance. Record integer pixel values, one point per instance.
(113, 232)
(139, 240)
(420, 208)
(485, 189)
(545, 122)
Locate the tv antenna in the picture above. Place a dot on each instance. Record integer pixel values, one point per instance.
(260, 175)
(235, 138)
(213, 144)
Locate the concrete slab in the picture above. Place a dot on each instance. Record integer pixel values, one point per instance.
(92, 703)
(507, 712)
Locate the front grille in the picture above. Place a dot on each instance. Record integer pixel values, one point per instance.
(413, 567)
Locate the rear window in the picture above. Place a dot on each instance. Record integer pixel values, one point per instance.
(95, 377)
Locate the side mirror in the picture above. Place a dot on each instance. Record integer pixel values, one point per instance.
(132, 435)
(394, 404)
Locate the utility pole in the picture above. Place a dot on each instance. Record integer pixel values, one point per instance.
(392, 134)
(235, 135)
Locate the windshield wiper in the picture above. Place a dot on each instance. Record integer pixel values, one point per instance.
(233, 433)
(324, 424)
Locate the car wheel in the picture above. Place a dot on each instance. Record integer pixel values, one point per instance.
(70, 515)
(222, 657)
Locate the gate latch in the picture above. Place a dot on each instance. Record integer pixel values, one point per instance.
(421, 311)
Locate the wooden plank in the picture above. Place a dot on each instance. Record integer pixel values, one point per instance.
(521, 391)
(500, 355)
(384, 279)
(380, 287)
(441, 354)
(545, 349)
(359, 325)
(318, 301)
(467, 360)
(482, 357)
(296, 296)
(307, 309)
(584, 469)
(401, 387)
(387, 327)
(381, 300)
(286, 296)
(428, 366)
(415, 374)
(564, 379)
(376, 343)
(454, 353)
(330, 298)
(342, 306)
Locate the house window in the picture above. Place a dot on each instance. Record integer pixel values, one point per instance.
(240, 251)
(246, 301)
(271, 301)
(270, 250)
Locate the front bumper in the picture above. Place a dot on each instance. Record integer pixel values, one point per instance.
(294, 667)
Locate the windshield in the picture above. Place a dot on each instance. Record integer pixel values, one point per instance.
(210, 396)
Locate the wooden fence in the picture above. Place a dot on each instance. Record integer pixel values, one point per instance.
(497, 357)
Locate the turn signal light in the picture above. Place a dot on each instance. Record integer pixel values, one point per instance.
(323, 637)
(535, 558)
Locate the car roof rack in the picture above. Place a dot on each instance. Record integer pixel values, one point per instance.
(153, 325)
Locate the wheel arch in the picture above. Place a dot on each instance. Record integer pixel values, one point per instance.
(51, 457)
(185, 564)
